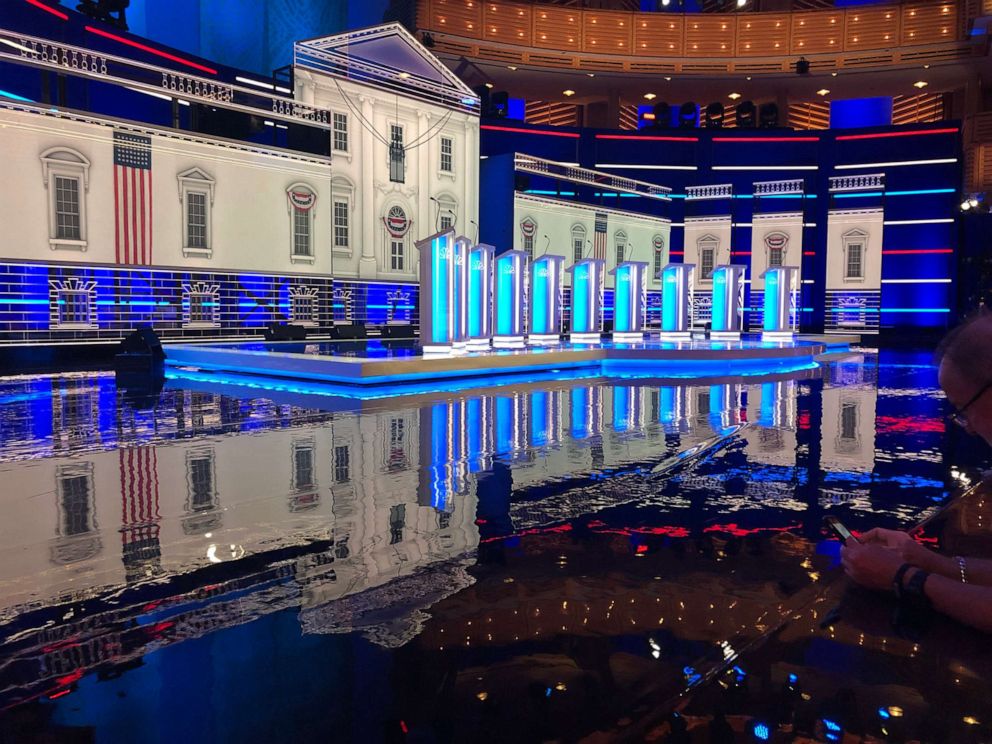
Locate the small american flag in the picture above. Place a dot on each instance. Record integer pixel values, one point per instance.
(599, 239)
(133, 198)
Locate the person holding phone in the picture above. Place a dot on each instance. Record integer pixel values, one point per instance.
(958, 586)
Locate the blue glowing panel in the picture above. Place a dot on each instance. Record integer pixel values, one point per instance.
(853, 113)
(511, 271)
(546, 292)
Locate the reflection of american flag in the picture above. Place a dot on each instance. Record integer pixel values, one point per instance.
(133, 198)
(599, 240)
(139, 497)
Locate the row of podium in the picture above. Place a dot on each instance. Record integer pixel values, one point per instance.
(472, 298)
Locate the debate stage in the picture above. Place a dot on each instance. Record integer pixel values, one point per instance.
(375, 363)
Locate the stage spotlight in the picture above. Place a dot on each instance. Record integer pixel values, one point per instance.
(802, 66)
(966, 205)
(688, 115)
(746, 115)
(973, 201)
(666, 3)
(741, 3)
(769, 116)
(500, 104)
(714, 115)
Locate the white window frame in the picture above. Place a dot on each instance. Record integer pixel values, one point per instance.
(60, 291)
(448, 207)
(657, 256)
(335, 131)
(311, 295)
(619, 247)
(389, 155)
(707, 243)
(311, 215)
(190, 181)
(448, 172)
(64, 162)
(854, 237)
(769, 249)
(578, 236)
(201, 290)
(393, 241)
(343, 190)
(389, 238)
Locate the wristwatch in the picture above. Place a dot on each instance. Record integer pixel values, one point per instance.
(913, 590)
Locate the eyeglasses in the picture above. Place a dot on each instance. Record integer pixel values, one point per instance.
(959, 417)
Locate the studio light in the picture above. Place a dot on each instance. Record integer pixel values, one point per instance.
(802, 66)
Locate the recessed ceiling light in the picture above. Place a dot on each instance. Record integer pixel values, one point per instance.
(650, 96)
(404, 75)
(822, 92)
(734, 96)
(833, 74)
(511, 67)
(668, 77)
(748, 77)
(568, 92)
(591, 74)
(926, 67)
(921, 84)
(489, 85)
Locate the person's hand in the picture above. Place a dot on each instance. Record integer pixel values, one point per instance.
(901, 542)
(870, 564)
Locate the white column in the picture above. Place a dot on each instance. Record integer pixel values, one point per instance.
(367, 266)
(426, 209)
(470, 185)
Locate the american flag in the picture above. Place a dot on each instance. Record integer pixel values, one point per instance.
(133, 198)
(139, 503)
(599, 239)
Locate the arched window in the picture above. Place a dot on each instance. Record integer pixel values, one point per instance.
(776, 245)
(528, 229)
(620, 241)
(397, 227)
(301, 199)
(658, 248)
(578, 242)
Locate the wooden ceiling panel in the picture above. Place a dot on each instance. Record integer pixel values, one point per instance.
(509, 23)
(929, 23)
(457, 17)
(710, 35)
(871, 28)
(557, 28)
(658, 34)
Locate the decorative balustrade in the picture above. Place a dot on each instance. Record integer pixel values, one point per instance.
(864, 182)
(575, 174)
(197, 88)
(717, 191)
(788, 186)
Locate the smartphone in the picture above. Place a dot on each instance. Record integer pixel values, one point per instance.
(837, 527)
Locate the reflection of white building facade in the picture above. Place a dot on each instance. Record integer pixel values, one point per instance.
(848, 426)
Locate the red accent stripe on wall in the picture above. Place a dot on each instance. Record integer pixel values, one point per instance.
(809, 253)
(917, 251)
(882, 135)
(646, 138)
(766, 139)
(49, 9)
(151, 50)
(521, 130)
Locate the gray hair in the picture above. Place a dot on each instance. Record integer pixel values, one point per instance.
(969, 348)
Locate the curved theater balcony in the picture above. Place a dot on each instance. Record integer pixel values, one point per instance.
(706, 44)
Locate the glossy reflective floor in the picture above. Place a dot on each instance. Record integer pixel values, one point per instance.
(537, 560)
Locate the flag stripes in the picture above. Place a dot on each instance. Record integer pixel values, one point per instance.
(133, 198)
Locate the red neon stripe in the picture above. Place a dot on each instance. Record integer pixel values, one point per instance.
(646, 138)
(143, 219)
(151, 50)
(740, 253)
(49, 9)
(915, 251)
(676, 253)
(881, 135)
(809, 253)
(134, 212)
(766, 139)
(521, 130)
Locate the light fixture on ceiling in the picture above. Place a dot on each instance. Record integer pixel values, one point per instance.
(921, 84)
(511, 67)
(568, 93)
(666, 3)
(668, 78)
(822, 92)
(926, 67)
(833, 74)
(748, 77)
(741, 3)
(733, 96)
(650, 96)
(590, 74)
(489, 85)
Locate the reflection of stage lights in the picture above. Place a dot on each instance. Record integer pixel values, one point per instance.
(222, 554)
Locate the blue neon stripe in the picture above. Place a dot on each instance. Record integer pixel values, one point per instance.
(548, 192)
(23, 302)
(539, 418)
(621, 408)
(916, 192)
(475, 299)
(8, 94)
(858, 195)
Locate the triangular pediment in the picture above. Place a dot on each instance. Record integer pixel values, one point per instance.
(387, 57)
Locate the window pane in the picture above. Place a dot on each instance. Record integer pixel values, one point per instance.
(854, 268)
(341, 132)
(301, 232)
(774, 256)
(67, 223)
(445, 221)
(706, 262)
(341, 224)
(196, 219)
(447, 150)
(396, 257)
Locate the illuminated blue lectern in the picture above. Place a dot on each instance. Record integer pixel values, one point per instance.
(630, 297)
(587, 301)
(781, 297)
(676, 301)
(546, 276)
(511, 283)
(480, 296)
(462, 248)
(728, 302)
(441, 293)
